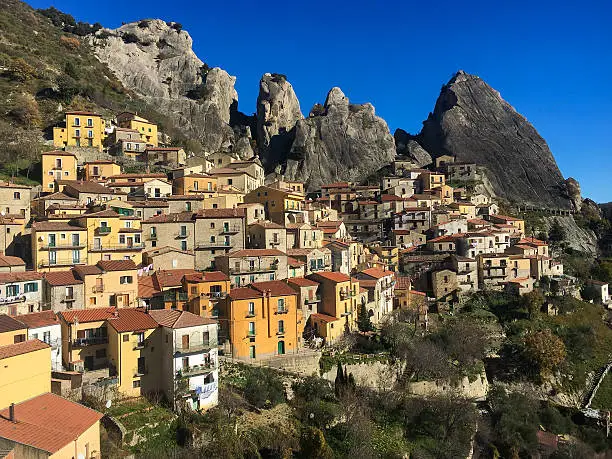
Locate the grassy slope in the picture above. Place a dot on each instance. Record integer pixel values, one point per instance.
(54, 60)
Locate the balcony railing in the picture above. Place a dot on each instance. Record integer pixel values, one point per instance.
(97, 289)
(70, 246)
(152, 236)
(231, 229)
(315, 299)
(253, 269)
(140, 345)
(195, 346)
(104, 229)
(213, 245)
(116, 247)
(282, 311)
(182, 235)
(59, 262)
(195, 370)
(89, 341)
(214, 295)
(140, 371)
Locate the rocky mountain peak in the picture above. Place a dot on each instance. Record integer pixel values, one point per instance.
(475, 124)
(335, 96)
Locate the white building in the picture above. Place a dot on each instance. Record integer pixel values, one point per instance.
(380, 285)
(190, 364)
(46, 327)
(20, 292)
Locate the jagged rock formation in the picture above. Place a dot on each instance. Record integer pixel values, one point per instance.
(278, 109)
(473, 122)
(339, 141)
(155, 59)
(572, 188)
(406, 146)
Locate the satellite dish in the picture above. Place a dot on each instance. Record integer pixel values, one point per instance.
(109, 403)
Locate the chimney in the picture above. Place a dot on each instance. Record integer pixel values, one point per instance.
(12, 412)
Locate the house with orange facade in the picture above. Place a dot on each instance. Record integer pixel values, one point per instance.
(261, 320)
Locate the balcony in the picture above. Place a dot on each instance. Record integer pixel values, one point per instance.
(152, 237)
(195, 346)
(282, 311)
(116, 247)
(345, 295)
(59, 263)
(103, 230)
(214, 295)
(213, 245)
(316, 299)
(182, 235)
(140, 345)
(97, 289)
(231, 229)
(90, 341)
(140, 371)
(195, 370)
(13, 299)
(63, 246)
(344, 314)
(253, 269)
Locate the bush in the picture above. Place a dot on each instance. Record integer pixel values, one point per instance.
(198, 93)
(263, 388)
(26, 111)
(129, 37)
(20, 70)
(71, 43)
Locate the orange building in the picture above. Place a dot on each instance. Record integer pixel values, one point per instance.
(204, 291)
(195, 183)
(261, 320)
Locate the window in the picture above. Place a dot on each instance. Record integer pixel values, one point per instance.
(58, 163)
(77, 122)
(183, 245)
(89, 122)
(281, 305)
(230, 182)
(212, 225)
(12, 290)
(183, 231)
(281, 327)
(251, 309)
(252, 352)
(126, 279)
(30, 287)
(76, 257)
(16, 195)
(90, 134)
(251, 328)
(69, 293)
(121, 239)
(136, 383)
(77, 133)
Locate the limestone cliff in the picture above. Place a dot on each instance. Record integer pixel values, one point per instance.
(339, 141)
(407, 147)
(155, 59)
(473, 122)
(278, 109)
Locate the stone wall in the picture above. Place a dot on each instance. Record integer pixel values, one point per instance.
(374, 374)
(476, 389)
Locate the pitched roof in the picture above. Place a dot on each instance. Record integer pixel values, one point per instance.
(221, 213)
(302, 282)
(256, 253)
(146, 287)
(88, 187)
(402, 282)
(180, 217)
(243, 293)
(55, 226)
(155, 251)
(7, 260)
(293, 263)
(376, 273)
(131, 319)
(86, 270)
(170, 277)
(150, 203)
(7, 324)
(39, 319)
(323, 317)
(7, 278)
(86, 315)
(47, 422)
(267, 224)
(178, 319)
(31, 345)
(59, 195)
(332, 276)
(116, 265)
(58, 153)
(275, 287)
(207, 276)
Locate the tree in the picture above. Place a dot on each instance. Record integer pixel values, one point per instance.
(533, 302)
(313, 445)
(263, 388)
(363, 319)
(556, 233)
(544, 349)
(26, 111)
(20, 70)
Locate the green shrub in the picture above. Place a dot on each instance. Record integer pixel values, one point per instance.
(263, 388)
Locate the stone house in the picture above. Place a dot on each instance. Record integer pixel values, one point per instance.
(170, 230)
(252, 265)
(315, 259)
(167, 257)
(20, 292)
(266, 235)
(63, 290)
(218, 232)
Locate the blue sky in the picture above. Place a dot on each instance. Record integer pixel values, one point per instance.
(550, 60)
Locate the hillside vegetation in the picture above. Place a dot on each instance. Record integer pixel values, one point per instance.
(45, 71)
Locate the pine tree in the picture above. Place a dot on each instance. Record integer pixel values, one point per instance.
(363, 319)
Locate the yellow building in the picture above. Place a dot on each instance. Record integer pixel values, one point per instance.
(57, 245)
(281, 205)
(82, 129)
(146, 129)
(112, 236)
(204, 291)
(517, 223)
(109, 283)
(100, 170)
(25, 371)
(262, 320)
(52, 427)
(389, 254)
(432, 180)
(57, 165)
(85, 338)
(131, 351)
(195, 183)
(11, 331)
(338, 309)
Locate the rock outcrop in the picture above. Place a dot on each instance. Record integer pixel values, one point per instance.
(155, 60)
(278, 109)
(572, 187)
(407, 147)
(339, 141)
(473, 122)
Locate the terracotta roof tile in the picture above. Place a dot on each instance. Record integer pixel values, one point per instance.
(47, 422)
(11, 350)
(293, 263)
(87, 315)
(267, 224)
(131, 319)
(178, 319)
(7, 324)
(39, 319)
(255, 253)
(24, 276)
(302, 282)
(243, 293)
(170, 278)
(333, 276)
(275, 287)
(88, 187)
(116, 265)
(207, 276)
(7, 260)
(377, 273)
(323, 317)
(221, 213)
(181, 217)
(87, 270)
(56, 226)
(146, 287)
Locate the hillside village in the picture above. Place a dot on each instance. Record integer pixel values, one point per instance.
(140, 283)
